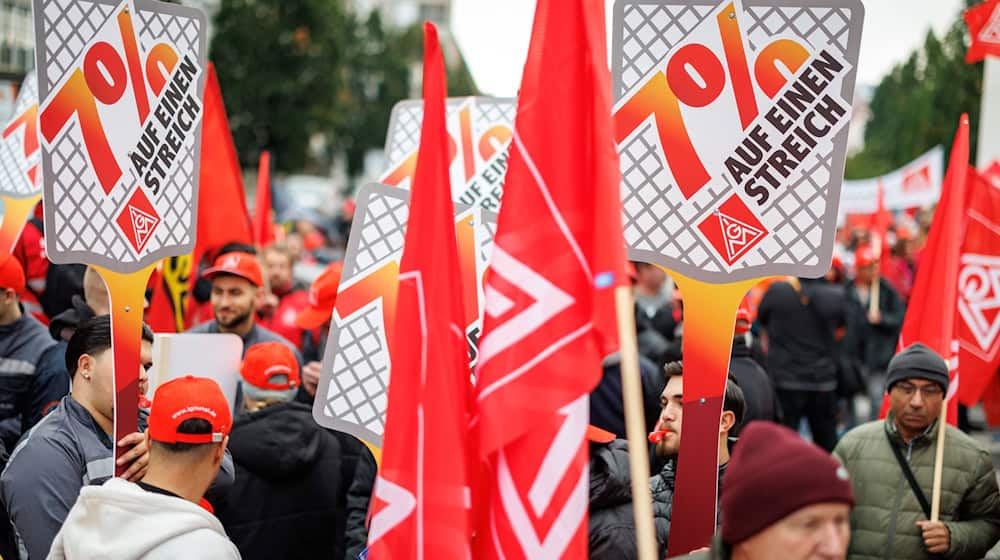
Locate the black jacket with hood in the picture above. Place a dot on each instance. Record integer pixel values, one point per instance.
(290, 498)
(611, 523)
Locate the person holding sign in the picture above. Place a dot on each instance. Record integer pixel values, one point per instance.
(72, 446)
(160, 516)
(892, 466)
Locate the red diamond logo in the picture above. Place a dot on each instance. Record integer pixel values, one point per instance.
(138, 220)
(733, 230)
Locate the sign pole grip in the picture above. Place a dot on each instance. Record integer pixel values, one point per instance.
(635, 425)
(127, 293)
(709, 321)
(15, 215)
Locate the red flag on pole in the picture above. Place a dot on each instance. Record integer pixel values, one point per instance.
(263, 224)
(930, 318)
(558, 255)
(421, 505)
(222, 207)
(984, 29)
(978, 322)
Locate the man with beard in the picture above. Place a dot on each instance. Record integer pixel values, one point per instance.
(237, 286)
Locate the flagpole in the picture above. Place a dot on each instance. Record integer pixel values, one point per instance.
(939, 462)
(642, 501)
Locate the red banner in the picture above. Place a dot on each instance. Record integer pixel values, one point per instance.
(984, 28)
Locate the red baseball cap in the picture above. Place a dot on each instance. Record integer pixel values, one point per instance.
(186, 398)
(599, 435)
(11, 273)
(743, 319)
(243, 265)
(322, 298)
(264, 361)
(863, 257)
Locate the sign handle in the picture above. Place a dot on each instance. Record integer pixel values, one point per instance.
(128, 296)
(16, 212)
(709, 321)
(635, 425)
(939, 462)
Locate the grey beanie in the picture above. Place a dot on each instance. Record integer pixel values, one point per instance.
(920, 362)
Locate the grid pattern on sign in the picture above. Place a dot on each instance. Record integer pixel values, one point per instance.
(404, 132)
(381, 234)
(650, 31)
(13, 165)
(85, 219)
(656, 217)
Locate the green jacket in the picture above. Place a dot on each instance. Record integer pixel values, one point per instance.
(883, 523)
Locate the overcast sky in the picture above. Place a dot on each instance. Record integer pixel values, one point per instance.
(493, 36)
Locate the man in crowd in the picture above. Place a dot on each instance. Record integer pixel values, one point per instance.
(292, 476)
(237, 286)
(160, 516)
(750, 376)
(610, 520)
(871, 335)
(314, 320)
(891, 462)
(800, 319)
(785, 498)
(668, 443)
(287, 299)
(22, 341)
(72, 447)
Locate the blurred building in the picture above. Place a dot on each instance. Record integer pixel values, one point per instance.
(16, 39)
(860, 116)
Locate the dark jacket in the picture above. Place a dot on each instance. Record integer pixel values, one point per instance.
(611, 523)
(662, 487)
(359, 497)
(800, 337)
(290, 493)
(22, 397)
(762, 402)
(873, 345)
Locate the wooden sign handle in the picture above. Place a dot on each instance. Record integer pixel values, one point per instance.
(709, 322)
(127, 294)
(15, 215)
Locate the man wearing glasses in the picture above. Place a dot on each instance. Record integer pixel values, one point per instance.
(891, 463)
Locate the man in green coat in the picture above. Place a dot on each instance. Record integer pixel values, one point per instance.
(890, 519)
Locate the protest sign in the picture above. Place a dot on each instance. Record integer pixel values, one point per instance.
(914, 185)
(121, 85)
(217, 356)
(20, 189)
(731, 120)
(480, 129)
(351, 395)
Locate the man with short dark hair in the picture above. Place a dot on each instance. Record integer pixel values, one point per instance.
(287, 298)
(72, 446)
(161, 516)
(237, 286)
(892, 466)
(667, 438)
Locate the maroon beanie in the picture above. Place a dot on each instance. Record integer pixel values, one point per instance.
(772, 474)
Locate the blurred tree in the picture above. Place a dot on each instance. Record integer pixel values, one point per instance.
(294, 71)
(917, 105)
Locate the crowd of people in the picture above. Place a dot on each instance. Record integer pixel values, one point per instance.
(200, 479)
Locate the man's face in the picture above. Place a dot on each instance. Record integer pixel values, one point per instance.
(915, 403)
(651, 278)
(233, 300)
(102, 373)
(670, 417)
(279, 270)
(816, 532)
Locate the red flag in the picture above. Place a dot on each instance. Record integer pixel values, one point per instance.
(930, 318)
(984, 28)
(558, 255)
(263, 225)
(222, 207)
(979, 290)
(421, 495)
(879, 228)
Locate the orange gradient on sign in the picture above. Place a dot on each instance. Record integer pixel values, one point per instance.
(656, 98)
(134, 64)
(127, 293)
(790, 53)
(160, 62)
(709, 321)
(16, 212)
(29, 120)
(468, 157)
(465, 235)
(493, 140)
(736, 59)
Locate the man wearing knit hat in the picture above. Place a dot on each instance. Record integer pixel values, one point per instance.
(891, 463)
(290, 498)
(161, 516)
(785, 498)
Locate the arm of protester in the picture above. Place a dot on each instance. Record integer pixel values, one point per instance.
(310, 377)
(39, 486)
(892, 311)
(979, 513)
(50, 384)
(359, 496)
(223, 481)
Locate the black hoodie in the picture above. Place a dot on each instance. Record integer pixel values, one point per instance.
(292, 477)
(611, 525)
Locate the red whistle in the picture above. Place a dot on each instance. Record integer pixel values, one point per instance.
(657, 436)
